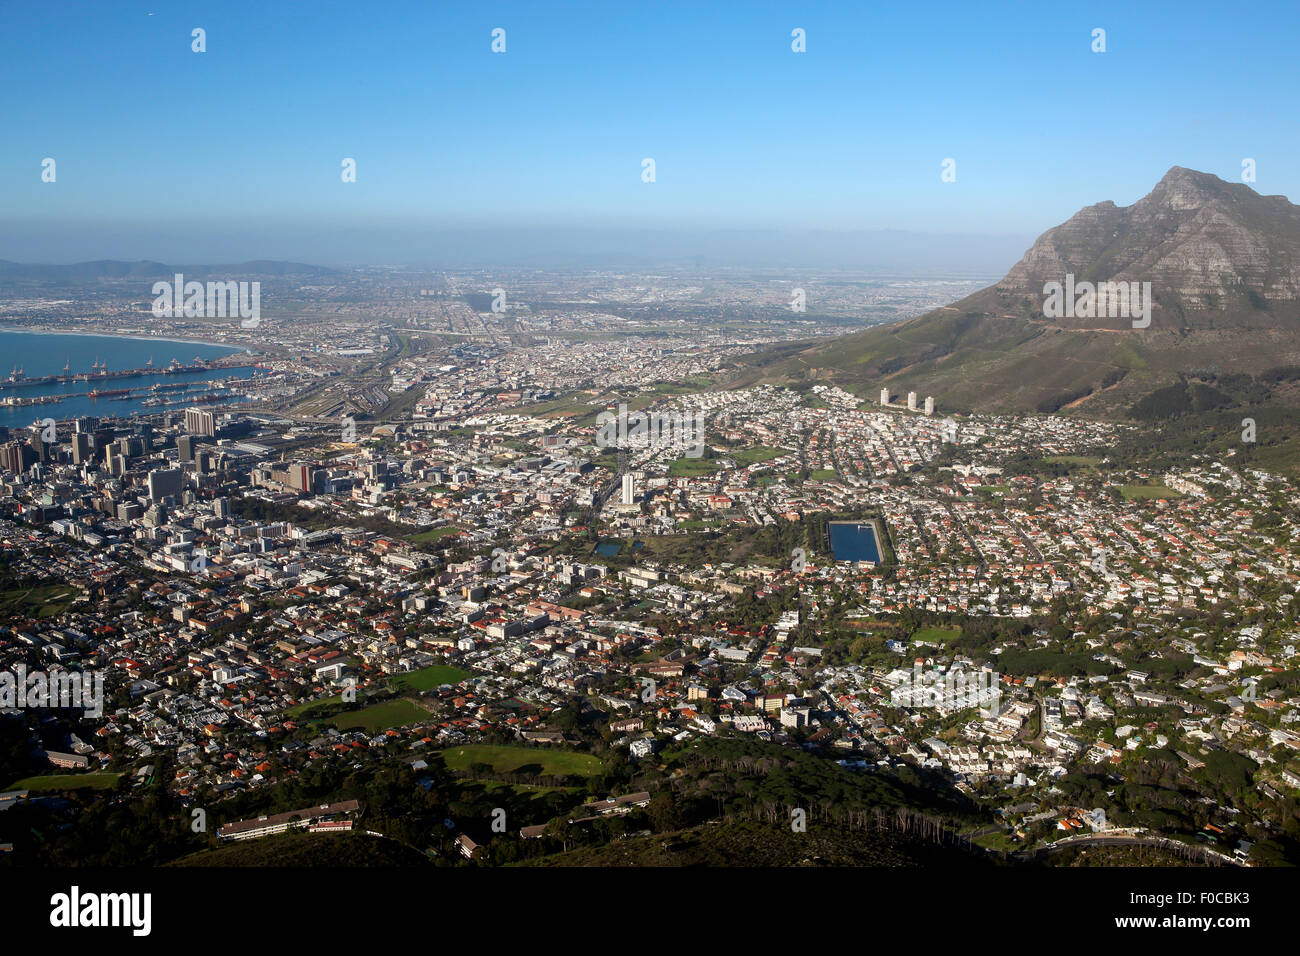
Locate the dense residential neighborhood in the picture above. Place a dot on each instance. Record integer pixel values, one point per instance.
(290, 595)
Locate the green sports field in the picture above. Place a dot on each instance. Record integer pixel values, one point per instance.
(937, 635)
(510, 759)
(391, 713)
(66, 781)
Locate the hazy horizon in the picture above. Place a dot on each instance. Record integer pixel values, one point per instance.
(535, 155)
(867, 251)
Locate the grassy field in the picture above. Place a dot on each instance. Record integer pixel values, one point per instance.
(510, 759)
(66, 781)
(1146, 492)
(1082, 461)
(938, 635)
(823, 474)
(430, 677)
(999, 841)
(692, 467)
(47, 600)
(376, 717)
(750, 456)
(303, 709)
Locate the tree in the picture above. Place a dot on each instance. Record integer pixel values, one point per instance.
(663, 812)
(560, 829)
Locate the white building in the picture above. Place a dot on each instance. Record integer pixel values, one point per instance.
(629, 490)
(884, 396)
(929, 404)
(911, 401)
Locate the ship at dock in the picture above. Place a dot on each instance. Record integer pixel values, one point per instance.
(101, 372)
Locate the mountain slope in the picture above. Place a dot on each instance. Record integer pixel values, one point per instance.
(1223, 265)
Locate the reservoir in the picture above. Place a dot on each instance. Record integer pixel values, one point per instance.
(854, 541)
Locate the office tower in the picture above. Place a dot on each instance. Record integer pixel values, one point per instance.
(81, 452)
(221, 507)
(911, 401)
(302, 477)
(185, 448)
(86, 424)
(17, 457)
(884, 396)
(929, 404)
(629, 490)
(165, 483)
(199, 421)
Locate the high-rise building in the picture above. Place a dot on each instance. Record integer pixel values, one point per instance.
(302, 476)
(199, 421)
(929, 404)
(81, 451)
(911, 401)
(884, 396)
(17, 457)
(629, 490)
(165, 483)
(185, 448)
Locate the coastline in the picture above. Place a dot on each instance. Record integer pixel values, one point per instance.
(122, 335)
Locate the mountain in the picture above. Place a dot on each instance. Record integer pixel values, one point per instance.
(1223, 267)
(1216, 254)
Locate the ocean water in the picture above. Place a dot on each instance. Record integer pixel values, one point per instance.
(46, 353)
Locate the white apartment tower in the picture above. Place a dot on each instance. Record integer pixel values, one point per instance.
(629, 490)
(929, 404)
(884, 396)
(911, 401)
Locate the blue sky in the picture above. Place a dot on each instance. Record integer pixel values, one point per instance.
(246, 140)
